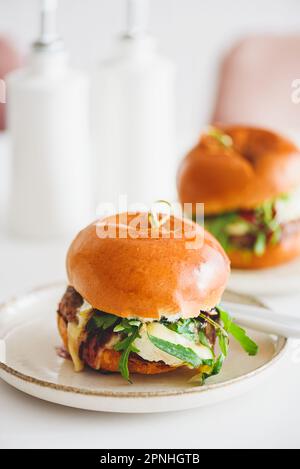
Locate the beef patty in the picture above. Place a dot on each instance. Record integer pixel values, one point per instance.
(70, 303)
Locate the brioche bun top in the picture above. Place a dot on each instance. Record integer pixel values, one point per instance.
(259, 165)
(151, 273)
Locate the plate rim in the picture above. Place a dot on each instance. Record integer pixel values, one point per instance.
(123, 394)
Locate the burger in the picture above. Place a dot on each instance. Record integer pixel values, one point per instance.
(249, 180)
(143, 298)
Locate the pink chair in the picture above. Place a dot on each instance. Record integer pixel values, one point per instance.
(9, 60)
(255, 84)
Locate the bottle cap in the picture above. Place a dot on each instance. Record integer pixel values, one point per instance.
(137, 18)
(49, 39)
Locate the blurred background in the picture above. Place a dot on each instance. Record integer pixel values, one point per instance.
(216, 61)
(195, 34)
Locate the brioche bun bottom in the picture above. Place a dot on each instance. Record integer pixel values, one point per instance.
(286, 250)
(110, 358)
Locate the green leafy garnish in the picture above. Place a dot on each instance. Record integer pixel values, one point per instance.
(215, 324)
(218, 365)
(266, 210)
(238, 333)
(223, 342)
(127, 326)
(260, 244)
(203, 339)
(187, 355)
(119, 328)
(217, 227)
(276, 235)
(193, 329)
(226, 328)
(134, 322)
(216, 368)
(285, 197)
(262, 227)
(185, 327)
(101, 321)
(126, 347)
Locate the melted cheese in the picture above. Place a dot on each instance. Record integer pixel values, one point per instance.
(75, 335)
(149, 352)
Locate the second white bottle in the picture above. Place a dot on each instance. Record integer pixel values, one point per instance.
(133, 119)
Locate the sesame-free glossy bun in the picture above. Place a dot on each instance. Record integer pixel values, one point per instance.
(258, 166)
(181, 270)
(275, 254)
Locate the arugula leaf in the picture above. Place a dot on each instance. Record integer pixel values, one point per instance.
(276, 236)
(119, 328)
(185, 327)
(126, 347)
(187, 355)
(130, 328)
(267, 225)
(238, 333)
(223, 342)
(267, 211)
(215, 324)
(260, 244)
(203, 339)
(128, 324)
(285, 197)
(263, 227)
(229, 327)
(101, 320)
(221, 334)
(216, 368)
(217, 227)
(218, 365)
(134, 322)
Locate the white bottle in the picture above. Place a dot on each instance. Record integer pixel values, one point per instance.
(133, 119)
(48, 108)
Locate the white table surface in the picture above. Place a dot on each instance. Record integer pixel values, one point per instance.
(267, 417)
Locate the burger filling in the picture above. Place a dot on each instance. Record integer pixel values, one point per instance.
(189, 342)
(254, 230)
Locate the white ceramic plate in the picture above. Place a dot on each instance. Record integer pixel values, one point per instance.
(28, 361)
(276, 281)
